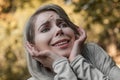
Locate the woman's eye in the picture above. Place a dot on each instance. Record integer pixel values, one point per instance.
(63, 25)
(45, 30)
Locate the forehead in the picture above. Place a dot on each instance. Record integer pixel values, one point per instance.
(45, 16)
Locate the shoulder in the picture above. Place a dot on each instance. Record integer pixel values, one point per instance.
(91, 45)
(91, 48)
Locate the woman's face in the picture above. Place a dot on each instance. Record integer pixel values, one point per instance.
(52, 33)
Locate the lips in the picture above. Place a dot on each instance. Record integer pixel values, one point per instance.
(61, 43)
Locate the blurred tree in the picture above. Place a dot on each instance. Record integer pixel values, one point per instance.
(106, 14)
(13, 15)
(100, 18)
(13, 66)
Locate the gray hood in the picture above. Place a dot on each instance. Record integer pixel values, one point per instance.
(36, 70)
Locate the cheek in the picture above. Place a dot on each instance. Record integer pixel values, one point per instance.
(70, 32)
(42, 42)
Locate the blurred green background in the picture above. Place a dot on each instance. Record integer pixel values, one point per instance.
(100, 19)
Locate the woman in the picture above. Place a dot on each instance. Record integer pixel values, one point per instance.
(56, 49)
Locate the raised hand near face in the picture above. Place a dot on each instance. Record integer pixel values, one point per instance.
(77, 47)
(46, 57)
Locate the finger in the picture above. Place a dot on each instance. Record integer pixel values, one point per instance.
(31, 49)
(40, 54)
(35, 52)
(38, 59)
(28, 48)
(44, 53)
(82, 33)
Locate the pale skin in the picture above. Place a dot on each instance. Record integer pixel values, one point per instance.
(48, 49)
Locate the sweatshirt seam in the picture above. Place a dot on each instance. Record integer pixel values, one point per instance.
(76, 60)
(59, 61)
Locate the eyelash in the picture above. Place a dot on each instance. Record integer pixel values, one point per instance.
(45, 29)
(63, 25)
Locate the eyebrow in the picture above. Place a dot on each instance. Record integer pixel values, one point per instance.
(43, 24)
(60, 20)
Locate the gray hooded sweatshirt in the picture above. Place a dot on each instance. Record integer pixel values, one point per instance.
(92, 64)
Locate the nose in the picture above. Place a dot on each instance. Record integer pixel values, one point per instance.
(59, 31)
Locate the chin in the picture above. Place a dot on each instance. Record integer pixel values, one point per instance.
(66, 55)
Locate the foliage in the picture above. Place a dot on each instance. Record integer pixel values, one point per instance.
(100, 18)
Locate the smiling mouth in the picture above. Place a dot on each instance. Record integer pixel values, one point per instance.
(62, 43)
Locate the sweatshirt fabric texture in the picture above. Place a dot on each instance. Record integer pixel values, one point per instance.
(92, 64)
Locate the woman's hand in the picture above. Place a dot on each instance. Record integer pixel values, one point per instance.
(78, 44)
(46, 57)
